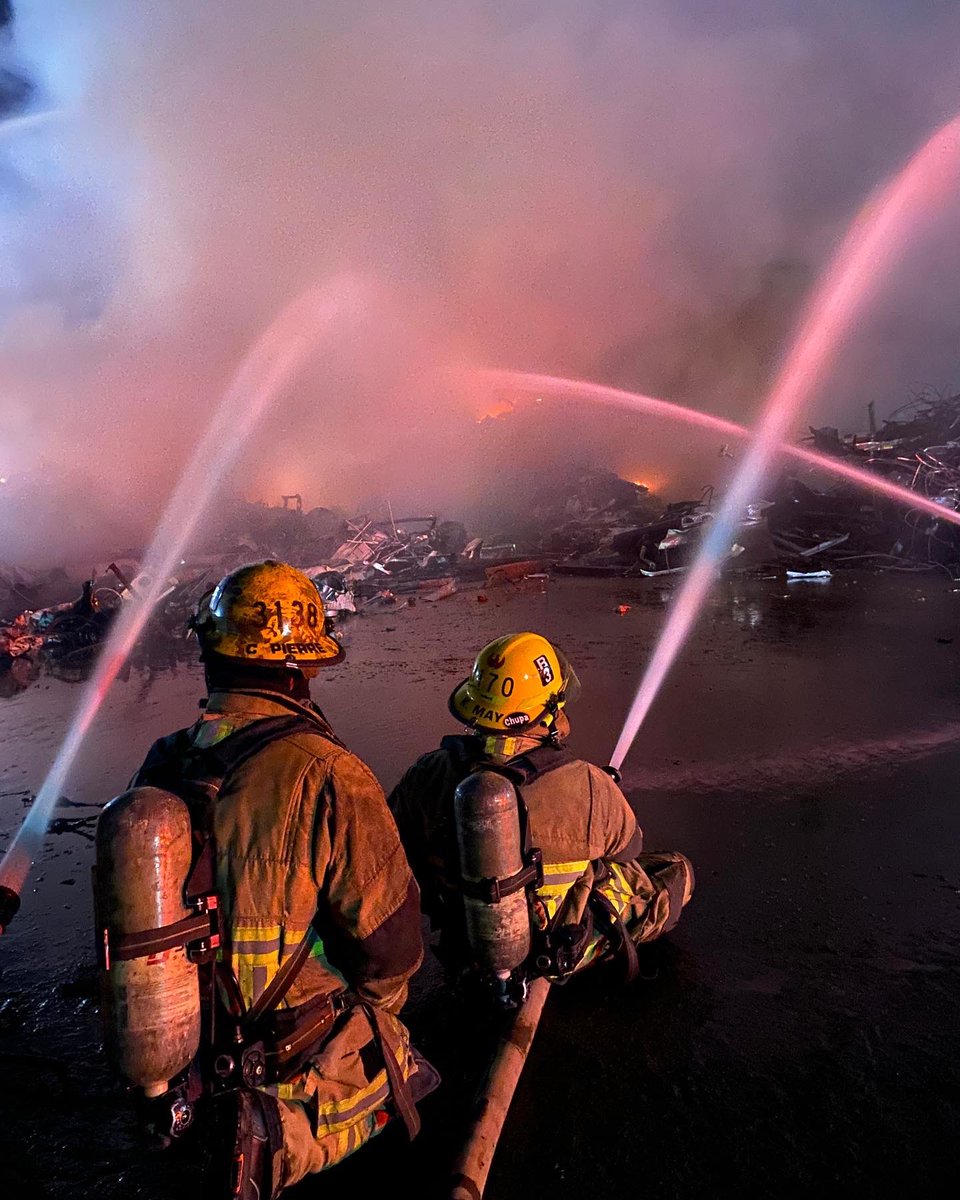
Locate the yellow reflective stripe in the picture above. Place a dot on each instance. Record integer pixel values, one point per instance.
(254, 946)
(357, 1108)
(245, 961)
(213, 730)
(597, 942)
(356, 1100)
(558, 878)
(245, 981)
(256, 933)
(293, 937)
(554, 889)
(620, 893)
(617, 889)
(578, 865)
(332, 1107)
(262, 947)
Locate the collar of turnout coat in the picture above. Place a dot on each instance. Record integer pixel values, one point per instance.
(253, 704)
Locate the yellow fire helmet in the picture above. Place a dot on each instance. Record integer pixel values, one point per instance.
(516, 681)
(268, 613)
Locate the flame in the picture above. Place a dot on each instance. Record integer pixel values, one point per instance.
(502, 408)
(652, 479)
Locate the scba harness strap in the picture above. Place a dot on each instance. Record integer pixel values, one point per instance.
(196, 775)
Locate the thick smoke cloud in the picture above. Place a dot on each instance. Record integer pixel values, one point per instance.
(639, 193)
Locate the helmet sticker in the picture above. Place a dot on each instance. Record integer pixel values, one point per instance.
(542, 663)
(512, 720)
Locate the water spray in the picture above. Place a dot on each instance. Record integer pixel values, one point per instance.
(27, 122)
(878, 231)
(267, 368)
(615, 397)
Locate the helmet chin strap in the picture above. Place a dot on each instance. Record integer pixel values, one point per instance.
(551, 715)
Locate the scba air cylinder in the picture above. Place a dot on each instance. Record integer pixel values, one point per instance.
(488, 832)
(151, 1004)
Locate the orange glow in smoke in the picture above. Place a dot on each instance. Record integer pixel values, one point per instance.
(652, 479)
(501, 408)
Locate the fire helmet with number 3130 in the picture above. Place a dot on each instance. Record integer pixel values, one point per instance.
(267, 613)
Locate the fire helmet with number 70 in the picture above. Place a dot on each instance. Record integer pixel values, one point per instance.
(267, 613)
(517, 682)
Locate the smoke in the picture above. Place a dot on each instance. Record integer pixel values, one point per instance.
(637, 193)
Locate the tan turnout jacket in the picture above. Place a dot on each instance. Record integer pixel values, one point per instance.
(305, 841)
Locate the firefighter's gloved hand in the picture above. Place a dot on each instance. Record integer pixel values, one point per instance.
(425, 1079)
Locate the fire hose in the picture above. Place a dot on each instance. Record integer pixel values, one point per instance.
(496, 1092)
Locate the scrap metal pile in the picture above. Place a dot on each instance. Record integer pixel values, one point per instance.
(591, 522)
(356, 564)
(917, 447)
(807, 531)
(578, 515)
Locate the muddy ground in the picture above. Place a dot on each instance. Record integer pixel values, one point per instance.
(802, 1032)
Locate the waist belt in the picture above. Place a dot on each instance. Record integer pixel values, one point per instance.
(290, 1036)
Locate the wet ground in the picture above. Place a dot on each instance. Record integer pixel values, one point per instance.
(802, 1032)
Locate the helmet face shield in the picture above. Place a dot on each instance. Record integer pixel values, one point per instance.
(517, 681)
(267, 613)
(572, 688)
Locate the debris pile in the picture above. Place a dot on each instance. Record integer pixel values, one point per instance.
(805, 531)
(59, 629)
(579, 513)
(917, 447)
(21, 589)
(666, 545)
(356, 564)
(588, 521)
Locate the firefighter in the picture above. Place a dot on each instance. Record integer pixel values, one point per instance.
(514, 707)
(308, 864)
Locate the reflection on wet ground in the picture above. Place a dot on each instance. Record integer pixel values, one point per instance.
(802, 1030)
(153, 658)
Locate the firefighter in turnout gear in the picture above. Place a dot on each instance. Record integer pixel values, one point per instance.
(573, 812)
(319, 912)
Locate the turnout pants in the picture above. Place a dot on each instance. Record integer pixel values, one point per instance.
(342, 1099)
(649, 894)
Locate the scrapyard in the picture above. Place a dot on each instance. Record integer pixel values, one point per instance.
(595, 524)
(479, 584)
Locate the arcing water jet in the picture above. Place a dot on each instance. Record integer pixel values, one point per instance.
(583, 389)
(878, 231)
(280, 351)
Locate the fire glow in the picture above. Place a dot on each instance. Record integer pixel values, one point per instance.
(502, 408)
(582, 389)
